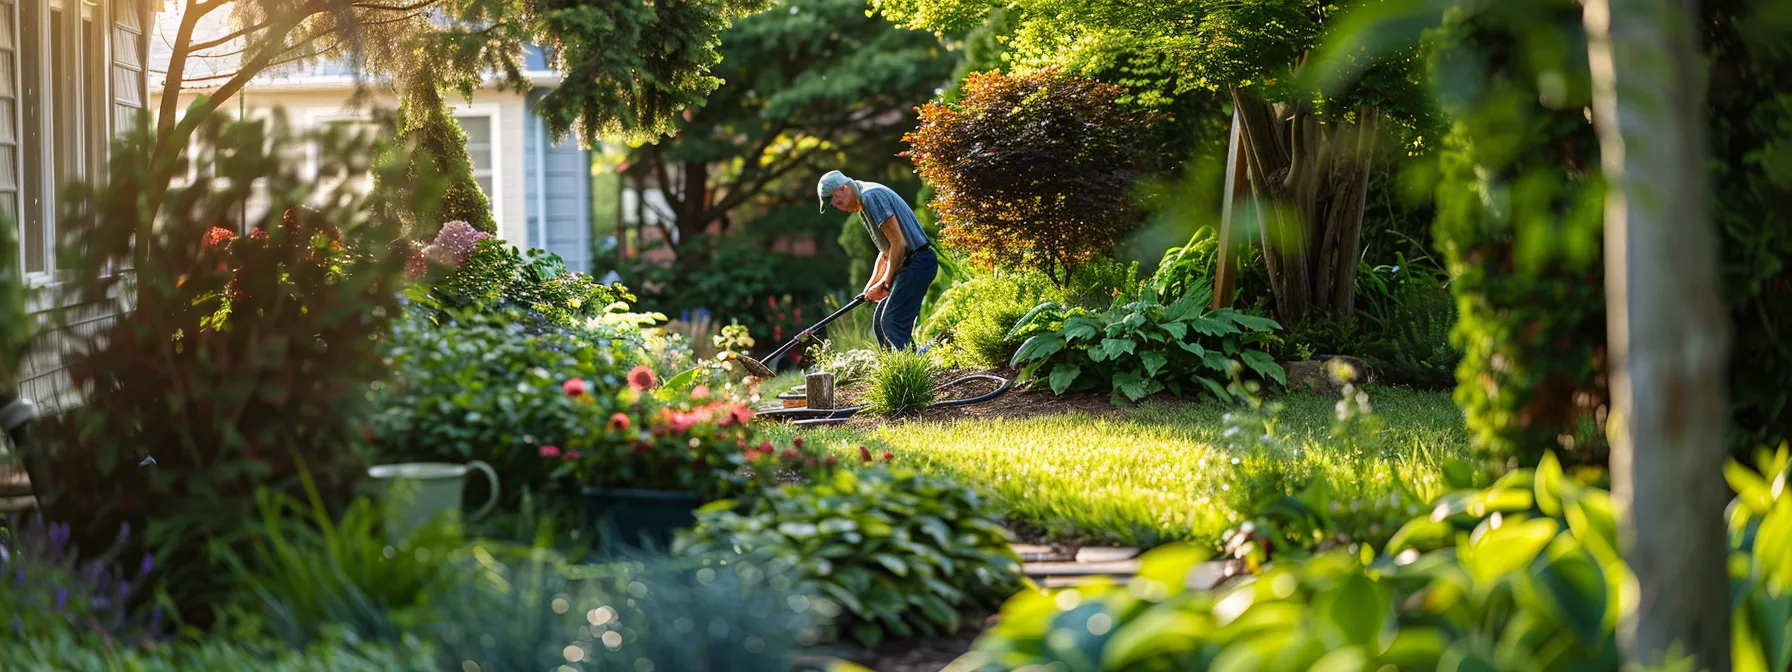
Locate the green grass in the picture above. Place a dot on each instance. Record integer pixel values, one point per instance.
(1167, 473)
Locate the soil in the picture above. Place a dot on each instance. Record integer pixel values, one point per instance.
(920, 654)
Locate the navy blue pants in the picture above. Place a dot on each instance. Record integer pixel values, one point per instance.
(894, 321)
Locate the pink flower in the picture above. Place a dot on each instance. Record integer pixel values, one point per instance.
(741, 414)
(574, 387)
(619, 422)
(550, 451)
(641, 378)
(700, 392)
(459, 239)
(218, 235)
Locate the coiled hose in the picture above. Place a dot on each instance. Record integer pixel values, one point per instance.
(805, 417)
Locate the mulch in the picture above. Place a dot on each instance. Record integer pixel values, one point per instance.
(1016, 403)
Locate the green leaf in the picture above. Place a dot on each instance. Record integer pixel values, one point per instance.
(1133, 385)
(892, 563)
(1038, 347)
(1177, 330)
(1573, 586)
(1154, 362)
(1421, 533)
(1356, 612)
(1212, 327)
(1510, 548)
(1251, 322)
(845, 598)
(1218, 361)
(1114, 347)
(937, 609)
(1548, 485)
(1218, 390)
(1264, 364)
(1046, 310)
(797, 530)
(1193, 348)
(1063, 375)
(868, 634)
(1079, 328)
(1156, 635)
(1750, 487)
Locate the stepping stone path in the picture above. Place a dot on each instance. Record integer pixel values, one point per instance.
(1061, 566)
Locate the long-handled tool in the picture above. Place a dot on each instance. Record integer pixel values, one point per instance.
(761, 370)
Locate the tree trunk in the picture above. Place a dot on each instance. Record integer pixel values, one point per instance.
(1667, 326)
(1313, 176)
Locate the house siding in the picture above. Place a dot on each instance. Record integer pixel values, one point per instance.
(562, 194)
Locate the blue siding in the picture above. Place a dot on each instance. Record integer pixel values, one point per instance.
(568, 193)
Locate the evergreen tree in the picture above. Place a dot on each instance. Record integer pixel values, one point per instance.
(438, 148)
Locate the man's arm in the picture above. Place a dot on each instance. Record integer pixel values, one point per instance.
(898, 247)
(877, 272)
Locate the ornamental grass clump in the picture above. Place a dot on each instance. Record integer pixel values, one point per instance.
(903, 383)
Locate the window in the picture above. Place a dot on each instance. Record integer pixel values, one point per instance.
(479, 147)
(61, 112)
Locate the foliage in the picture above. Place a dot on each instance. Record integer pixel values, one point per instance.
(51, 589)
(533, 611)
(533, 288)
(438, 146)
(755, 288)
(1751, 147)
(1408, 313)
(64, 651)
(1030, 170)
(975, 316)
(1142, 347)
(1163, 474)
(242, 356)
(1519, 221)
(903, 553)
(810, 86)
(15, 324)
(903, 383)
(1760, 526)
(473, 386)
(848, 366)
(307, 573)
(670, 439)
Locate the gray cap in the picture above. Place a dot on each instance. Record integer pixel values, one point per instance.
(830, 183)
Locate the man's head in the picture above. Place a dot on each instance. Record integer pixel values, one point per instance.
(836, 188)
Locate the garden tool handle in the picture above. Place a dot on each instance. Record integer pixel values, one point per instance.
(854, 303)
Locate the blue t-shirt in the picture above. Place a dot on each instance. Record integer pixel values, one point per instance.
(878, 203)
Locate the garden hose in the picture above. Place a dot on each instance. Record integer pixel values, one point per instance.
(804, 417)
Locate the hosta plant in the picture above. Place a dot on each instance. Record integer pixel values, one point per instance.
(1141, 347)
(903, 553)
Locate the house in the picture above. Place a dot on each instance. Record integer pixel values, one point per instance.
(540, 191)
(72, 73)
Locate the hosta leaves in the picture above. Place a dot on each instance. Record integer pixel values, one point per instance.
(1063, 375)
(1114, 347)
(1081, 327)
(1251, 322)
(1264, 364)
(1218, 390)
(1045, 311)
(1133, 385)
(1153, 361)
(1178, 331)
(1212, 327)
(1038, 347)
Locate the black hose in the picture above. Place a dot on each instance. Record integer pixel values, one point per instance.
(815, 416)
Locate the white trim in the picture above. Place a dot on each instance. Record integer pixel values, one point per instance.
(298, 83)
(316, 117)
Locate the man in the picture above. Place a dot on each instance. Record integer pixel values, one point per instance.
(906, 264)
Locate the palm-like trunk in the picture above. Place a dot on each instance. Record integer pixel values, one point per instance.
(1314, 176)
(1668, 329)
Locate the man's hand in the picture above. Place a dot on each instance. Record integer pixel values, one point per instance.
(877, 293)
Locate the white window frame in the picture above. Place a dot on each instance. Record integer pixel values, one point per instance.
(317, 117)
(84, 98)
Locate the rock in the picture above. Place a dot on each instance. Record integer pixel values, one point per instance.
(1100, 554)
(1326, 376)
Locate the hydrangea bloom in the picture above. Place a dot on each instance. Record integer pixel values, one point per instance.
(459, 239)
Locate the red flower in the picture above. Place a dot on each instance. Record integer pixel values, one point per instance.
(798, 441)
(550, 451)
(741, 414)
(791, 454)
(574, 387)
(700, 392)
(831, 461)
(619, 422)
(767, 448)
(218, 235)
(741, 442)
(572, 455)
(699, 464)
(864, 454)
(889, 456)
(777, 333)
(258, 234)
(641, 378)
(643, 448)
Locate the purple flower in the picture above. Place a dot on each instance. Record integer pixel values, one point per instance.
(149, 564)
(61, 598)
(459, 239)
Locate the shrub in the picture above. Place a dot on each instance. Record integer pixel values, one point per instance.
(50, 589)
(64, 651)
(241, 356)
(536, 612)
(15, 323)
(903, 383)
(471, 387)
(439, 148)
(976, 315)
(1142, 347)
(307, 573)
(903, 553)
(1030, 170)
(533, 288)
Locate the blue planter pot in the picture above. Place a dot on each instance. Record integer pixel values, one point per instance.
(638, 519)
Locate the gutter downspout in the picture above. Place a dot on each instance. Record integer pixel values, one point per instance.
(541, 182)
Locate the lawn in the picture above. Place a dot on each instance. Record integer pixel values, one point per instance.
(1174, 472)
